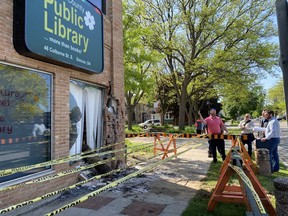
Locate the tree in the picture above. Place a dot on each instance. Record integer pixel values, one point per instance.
(245, 97)
(212, 38)
(165, 93)
(200, 91)
(276, 99)
(138, 58)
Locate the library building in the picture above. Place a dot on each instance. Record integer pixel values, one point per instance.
(61, 93)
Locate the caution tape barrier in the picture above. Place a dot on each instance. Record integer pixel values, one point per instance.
(87, 154)
(68, 172)
(57, 175)
(117, 182)
(50, 194)
(183, 135)
(248, 183)
(48, 163)
(60, 161)
(47, 195)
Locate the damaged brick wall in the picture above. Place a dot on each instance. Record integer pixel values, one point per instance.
(115, 128)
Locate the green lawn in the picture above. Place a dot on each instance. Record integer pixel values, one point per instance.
(198, 205)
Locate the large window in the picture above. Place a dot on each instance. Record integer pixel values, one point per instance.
(25, 119)
(86, 117)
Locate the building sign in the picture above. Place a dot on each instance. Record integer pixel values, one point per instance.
(60, 31)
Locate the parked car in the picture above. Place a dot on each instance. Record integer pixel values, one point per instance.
(150, 123)
(281, 118)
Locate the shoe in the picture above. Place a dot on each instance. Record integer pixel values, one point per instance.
(214, 160)
(224, 157)
(210, 155)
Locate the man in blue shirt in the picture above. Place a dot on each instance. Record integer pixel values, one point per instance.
(272, 139)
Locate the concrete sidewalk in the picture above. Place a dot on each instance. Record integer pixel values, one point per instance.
(165, 191)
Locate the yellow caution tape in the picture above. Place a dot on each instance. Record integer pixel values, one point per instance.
(59, 161)
(68, 172)
(87, 154)
(47, 195)
(183, 135)
(57, 175)
(247, 181)
(13, 207)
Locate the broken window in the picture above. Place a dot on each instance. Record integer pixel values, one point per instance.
(86, 120)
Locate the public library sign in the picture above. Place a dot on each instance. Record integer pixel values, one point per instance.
(60, 31)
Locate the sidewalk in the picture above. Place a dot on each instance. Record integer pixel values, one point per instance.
(164, 191)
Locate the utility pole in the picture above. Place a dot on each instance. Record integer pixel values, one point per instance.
(282, 20)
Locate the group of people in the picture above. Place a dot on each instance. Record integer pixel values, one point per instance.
(268, 137)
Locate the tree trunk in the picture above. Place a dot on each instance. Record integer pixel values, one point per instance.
(182, 107)
(129, 117)
(190, 117)
(162, 117)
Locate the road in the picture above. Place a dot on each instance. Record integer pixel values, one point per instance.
(283, 147)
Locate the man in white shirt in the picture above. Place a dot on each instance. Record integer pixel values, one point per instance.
(272, 139)
(38, 129)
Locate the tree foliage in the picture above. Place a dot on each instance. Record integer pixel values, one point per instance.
(138, 58)
(220, 40)
(276, 99)
(239, 99)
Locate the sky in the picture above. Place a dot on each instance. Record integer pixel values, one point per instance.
(270, 80)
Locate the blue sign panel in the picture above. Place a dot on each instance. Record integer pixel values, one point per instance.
(60, 31)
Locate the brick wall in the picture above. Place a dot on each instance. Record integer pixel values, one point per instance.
(112, 77)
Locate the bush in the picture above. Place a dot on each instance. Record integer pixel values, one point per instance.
(190, 130)
(165, 128)
(135, 129)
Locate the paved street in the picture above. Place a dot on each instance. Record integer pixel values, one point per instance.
(283, 147)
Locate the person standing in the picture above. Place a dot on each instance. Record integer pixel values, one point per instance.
(247, 126)
(272, 139)
(215, 126)
(199, 126)
(39, 129)
(263, 123)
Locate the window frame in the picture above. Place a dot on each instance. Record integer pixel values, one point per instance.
(103, 89)
(49, 170)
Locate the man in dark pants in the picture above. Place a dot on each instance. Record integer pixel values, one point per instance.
(271, 139)
(215, 126)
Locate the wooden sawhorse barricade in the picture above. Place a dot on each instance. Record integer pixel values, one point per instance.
(164, 148)
(234, 193)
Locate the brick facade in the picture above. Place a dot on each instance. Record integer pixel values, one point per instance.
(111, 79)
